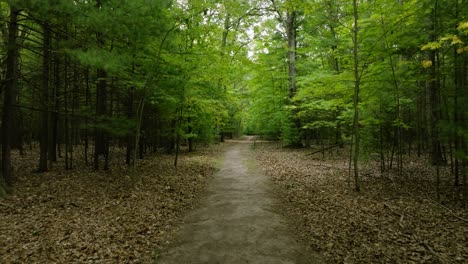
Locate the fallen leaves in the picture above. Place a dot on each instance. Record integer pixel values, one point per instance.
(393, 220)
(85, 216)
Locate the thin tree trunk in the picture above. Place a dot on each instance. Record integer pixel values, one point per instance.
(87, 102)
(458, 80)
(190, 139)
(54, 116)
(356, 98)
(130, 137)
(434, 83)
(75, 105)
(382, 154)
(179, 121)
(419, 126)
(67, 117)
(465, 182)
(291, 34)
(44, 133)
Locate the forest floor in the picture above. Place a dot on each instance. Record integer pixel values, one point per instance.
(238, 220)
(86, 216)
(395, 219)
(119, 216)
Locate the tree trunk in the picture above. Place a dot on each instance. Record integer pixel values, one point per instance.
(291, 35)
(87, 102)
(434, 83)
(11, 86)
(44, 133)
(356, 98)
(130, 137)
(55, 95)
(179, 124)
(67, 122)
(100, 144)
(190, 139)
(458, 81)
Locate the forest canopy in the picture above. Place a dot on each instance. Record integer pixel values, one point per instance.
(388, 78)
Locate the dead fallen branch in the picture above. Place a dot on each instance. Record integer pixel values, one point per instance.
(327, 148)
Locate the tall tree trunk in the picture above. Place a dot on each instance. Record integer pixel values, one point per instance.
(226, 28)
(54, 117)
(66, 93)
(434, 99)
(357, 184)
(10, 89)
(101, 146)
(44, 133)
(177, 131)
(87, 102)
(463, 121)
(130, 115)
(335, 64)
(458, 80)
(434, 84)
(291, 35)
(75, 122)
(130, 136)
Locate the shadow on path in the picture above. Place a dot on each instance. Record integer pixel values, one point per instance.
(236, 221)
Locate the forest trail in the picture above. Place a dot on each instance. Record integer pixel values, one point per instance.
(237, 220)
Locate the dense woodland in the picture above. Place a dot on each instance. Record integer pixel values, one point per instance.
(364, 99)
(388, 78)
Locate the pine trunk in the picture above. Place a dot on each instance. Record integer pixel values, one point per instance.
(44, 133)
(11, 86)
(357, 183)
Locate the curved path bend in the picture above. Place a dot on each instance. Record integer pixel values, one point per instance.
(237, 221)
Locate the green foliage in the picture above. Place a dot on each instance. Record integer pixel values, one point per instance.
(201, 68)
(116, 126)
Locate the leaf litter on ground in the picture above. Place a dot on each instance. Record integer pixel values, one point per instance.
(395, 219)
(86, 216)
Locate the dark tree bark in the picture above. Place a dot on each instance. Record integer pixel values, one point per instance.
(357, 182)
(190, 139)
(87, 103)
(11, 86)
(291, 35)
(130, 115)
(54, 117)
(101, 146)
(434, 90)
(459, 83)
(44, 133)
(66, 97)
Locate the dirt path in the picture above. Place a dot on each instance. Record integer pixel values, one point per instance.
(237, 221)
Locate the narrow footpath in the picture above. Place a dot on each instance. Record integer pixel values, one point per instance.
(237, 220)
